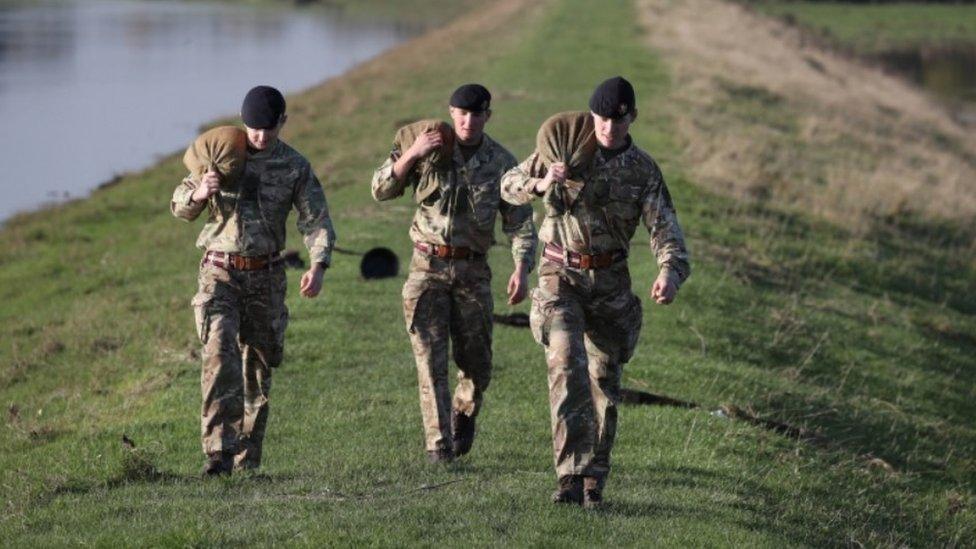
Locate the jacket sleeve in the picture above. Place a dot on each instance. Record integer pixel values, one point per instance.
(518, 183)
(182, 205)
(667, 241)
(313, 217)
(518, 226)
(387, 187)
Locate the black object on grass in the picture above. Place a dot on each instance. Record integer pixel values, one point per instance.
(379, 263)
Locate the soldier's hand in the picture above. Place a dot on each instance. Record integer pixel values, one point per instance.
(664, 290)
(557, 174)
(518, 285)
(311, 283)
(209, 184)
(425, 143)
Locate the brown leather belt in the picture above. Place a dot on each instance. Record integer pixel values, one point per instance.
(557, 254)
(447, 252)
(237, 262)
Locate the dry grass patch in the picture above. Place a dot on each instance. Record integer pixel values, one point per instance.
(763, 114)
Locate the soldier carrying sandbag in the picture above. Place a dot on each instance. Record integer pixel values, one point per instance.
(596, 186)
(454, 173)
(248, 181)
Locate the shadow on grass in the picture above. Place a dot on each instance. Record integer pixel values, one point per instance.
(137, 467)
(717, 498)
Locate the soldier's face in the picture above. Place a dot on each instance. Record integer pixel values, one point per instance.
(263, 138)
(611, 133)
(469, 125)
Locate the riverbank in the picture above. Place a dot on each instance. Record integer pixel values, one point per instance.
(422, 14)
(764, 114)
(871, 29)
(68, 59)
(932, 45)
(862, 338)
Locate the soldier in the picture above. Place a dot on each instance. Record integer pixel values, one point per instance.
(583, 311)
(240, 306)
(448, 292)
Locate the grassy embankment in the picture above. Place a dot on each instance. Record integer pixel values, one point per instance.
(865, 340)
(871, 29)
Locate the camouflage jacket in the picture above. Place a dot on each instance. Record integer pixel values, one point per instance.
(249, 218)
(617, 194)
(461, 211)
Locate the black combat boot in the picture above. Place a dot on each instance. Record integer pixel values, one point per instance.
(441, 455)
(592, 492)
(463, 428)
(218, 463)
(569, 490)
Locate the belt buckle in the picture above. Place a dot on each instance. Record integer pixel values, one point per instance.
(442, 252)
(585, 261)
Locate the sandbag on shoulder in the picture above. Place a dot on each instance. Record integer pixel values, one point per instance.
(567, 137)
(437, 160)
(224, 148)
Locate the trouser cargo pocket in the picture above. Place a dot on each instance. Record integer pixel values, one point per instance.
(201, 315)
(540, 315)
(413, 291)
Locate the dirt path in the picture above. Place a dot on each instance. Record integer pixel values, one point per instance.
(761, 113)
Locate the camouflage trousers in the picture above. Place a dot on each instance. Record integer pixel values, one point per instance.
(448, 300)
(588, 321)
(241, 318)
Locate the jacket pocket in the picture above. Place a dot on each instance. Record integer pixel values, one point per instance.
(428, 185)
(624, 202)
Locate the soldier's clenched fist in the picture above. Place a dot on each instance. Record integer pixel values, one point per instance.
(209, 184)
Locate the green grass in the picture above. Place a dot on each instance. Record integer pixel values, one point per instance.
(877, 28)
(868, 342)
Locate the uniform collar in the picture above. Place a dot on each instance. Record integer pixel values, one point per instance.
(476, 158)
(266, 153)
(622, 151)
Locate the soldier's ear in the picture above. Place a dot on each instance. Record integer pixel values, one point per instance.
(487, 114)
(282, 120)
(633, 115)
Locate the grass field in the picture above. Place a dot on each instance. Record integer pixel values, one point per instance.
(876, 28)
(866, 341)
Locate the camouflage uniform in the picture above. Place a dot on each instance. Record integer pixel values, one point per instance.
(588, 319)
(452, 297)
(241, 315)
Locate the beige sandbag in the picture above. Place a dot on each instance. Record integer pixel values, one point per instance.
(567, 137)
(439, 157)
(223, 148)
(437, 160)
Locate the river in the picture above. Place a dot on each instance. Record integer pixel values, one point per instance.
(90, 89)
(948, 73)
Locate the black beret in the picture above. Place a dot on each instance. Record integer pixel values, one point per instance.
(471, 97)
(262, 107)
(613, 98)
